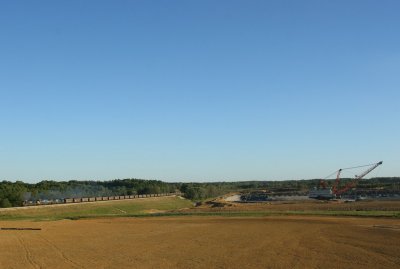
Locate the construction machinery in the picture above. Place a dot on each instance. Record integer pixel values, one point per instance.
(323, 192)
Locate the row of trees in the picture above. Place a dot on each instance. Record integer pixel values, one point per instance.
(14, 193)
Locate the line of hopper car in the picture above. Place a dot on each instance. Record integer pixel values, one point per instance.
(94, 199)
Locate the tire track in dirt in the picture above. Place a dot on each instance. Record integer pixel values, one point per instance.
(73, 264)
(28, 254)
(120, 210)
(360, 249)
(294, 258)
(349, 245)
(60, 253)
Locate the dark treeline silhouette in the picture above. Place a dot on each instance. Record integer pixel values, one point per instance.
(14, 193)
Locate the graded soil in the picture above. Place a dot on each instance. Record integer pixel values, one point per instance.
(203, 242)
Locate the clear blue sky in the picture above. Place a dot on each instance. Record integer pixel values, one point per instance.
(198, 90)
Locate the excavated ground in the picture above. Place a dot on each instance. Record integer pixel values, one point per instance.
(310, 205)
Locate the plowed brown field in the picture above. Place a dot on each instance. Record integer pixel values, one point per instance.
(203, 242)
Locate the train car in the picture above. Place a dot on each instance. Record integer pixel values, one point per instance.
(27, 203)
(99, 198)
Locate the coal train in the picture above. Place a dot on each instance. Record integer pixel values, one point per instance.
(94, 199)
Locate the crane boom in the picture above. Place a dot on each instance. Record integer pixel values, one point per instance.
(368, 170)
(336, 184)
(353, 183)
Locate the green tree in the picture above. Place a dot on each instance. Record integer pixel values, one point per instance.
(5, 203)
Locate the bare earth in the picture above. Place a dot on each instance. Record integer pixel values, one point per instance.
(203, 242)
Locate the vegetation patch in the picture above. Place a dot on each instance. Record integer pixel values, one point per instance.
(96, 209)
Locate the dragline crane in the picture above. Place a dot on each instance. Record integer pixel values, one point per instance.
(329, 193)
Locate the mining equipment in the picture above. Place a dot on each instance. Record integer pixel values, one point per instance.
(254, 196)
(323, 192)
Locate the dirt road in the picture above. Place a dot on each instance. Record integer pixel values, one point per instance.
(203, 242)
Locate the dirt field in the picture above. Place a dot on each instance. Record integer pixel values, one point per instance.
(203, 242)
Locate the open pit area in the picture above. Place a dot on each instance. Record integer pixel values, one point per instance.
(376, 208)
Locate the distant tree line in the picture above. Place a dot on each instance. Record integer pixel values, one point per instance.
(14, 193)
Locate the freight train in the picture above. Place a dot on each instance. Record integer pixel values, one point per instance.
(95, 199)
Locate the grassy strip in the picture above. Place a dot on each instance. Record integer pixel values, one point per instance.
(375, 214)
(97, 209)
